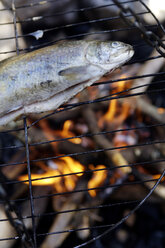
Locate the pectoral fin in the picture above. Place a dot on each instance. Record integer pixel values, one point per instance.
(80, 74)
(73, 71)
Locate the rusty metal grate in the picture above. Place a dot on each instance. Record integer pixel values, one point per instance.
(150, 36)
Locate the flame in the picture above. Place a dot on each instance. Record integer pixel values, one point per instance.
(44, 181)
(97, 179)
(109, 116)
(65, 165)
(73, 165)
(51, 134)
(69, 165)
(121, 85)
(59, 179)
(66, 133)
(116, 113)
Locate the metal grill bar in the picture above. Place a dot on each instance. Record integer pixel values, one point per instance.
(30, 184)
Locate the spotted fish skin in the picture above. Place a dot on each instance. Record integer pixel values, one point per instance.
(44, 79)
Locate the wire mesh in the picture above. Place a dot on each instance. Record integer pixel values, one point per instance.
(87, 21)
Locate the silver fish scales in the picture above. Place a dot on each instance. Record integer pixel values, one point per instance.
(44, 79)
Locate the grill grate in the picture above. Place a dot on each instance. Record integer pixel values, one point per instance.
(149, 36)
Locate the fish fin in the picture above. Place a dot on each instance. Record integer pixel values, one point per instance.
(73, 71)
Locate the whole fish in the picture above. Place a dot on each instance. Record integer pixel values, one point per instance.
(44, 79)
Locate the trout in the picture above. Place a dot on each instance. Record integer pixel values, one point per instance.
(46, 78)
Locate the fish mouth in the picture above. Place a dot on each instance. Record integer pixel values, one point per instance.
(125, 55)
(130, 52)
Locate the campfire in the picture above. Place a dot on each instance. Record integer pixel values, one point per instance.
(71, 176)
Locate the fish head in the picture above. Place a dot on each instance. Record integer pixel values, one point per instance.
(108, 55)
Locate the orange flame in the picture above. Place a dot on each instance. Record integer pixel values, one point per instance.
(109, 116)
(41, 179)
(64, 133)
(97, 179)
(114, 109)
(67, 133)
(73, 165)
(54, 177)
(60, 180)
(69, 165)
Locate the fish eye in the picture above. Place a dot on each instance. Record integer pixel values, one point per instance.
(115, 44)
